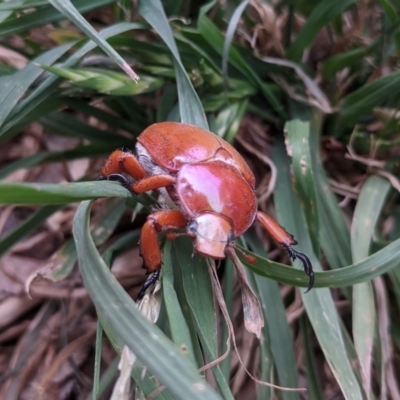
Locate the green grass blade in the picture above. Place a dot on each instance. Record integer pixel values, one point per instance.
(61, 263)
(12, 92)
(118, 310)
(316, 96)
(230, 32)
(51, 84)
(315, 391)
(352, 58)
(82, 106)
(66, 8)
(363, 99)
(216, 39)
(375, 265)
(71, 154)
(4, 15)
(49, 193)
(334, 235)
(364, 321)
(179, 288)
(368, 209)
(142, 377)
(228, 288)
(337, 62)
(97, 361)
(199, 296)
(25, 228)
(66, 125)
(191, 110)
(392, 16)
(107, 82)
(45, 15)
(106, 379)
(21, 5)
(279, 334)
(321, 15)
(318, 303)
(298, 136)
(179, 329)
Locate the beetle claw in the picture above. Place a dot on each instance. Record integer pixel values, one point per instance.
(308, 269)
(149, 282)
(121, 179)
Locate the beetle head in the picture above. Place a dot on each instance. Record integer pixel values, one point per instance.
(212, 233)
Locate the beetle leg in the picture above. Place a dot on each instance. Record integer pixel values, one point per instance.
(149, 246)
(286, 240)
(308, 269)
(123, 161)
(143, 185)
(150, 281)
(152, 183)
(121, 179)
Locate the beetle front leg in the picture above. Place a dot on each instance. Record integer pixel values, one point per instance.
(286, 240)
(144, 185)
(149, 282)
(122, 161)
(152, 183)
(149, 246)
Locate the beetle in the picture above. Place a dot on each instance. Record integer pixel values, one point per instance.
(210, 189)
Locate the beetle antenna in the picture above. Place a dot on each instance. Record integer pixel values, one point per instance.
(308, 269)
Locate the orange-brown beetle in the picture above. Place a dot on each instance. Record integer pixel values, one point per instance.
(211, 188)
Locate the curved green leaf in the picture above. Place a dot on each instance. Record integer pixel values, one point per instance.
(118, 310)
(49, 193)
(375, 265)
(52, 193)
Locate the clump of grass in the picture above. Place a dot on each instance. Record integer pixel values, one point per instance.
(310, 96)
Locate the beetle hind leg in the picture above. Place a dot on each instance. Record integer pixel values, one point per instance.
(286, 240)
(308, 269)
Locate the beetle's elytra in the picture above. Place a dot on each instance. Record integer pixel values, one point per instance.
(211, 188)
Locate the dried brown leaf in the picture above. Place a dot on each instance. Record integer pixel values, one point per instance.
(253, 318)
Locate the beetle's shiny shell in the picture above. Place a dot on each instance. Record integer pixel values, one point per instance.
(172, 145)
(218, 187)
